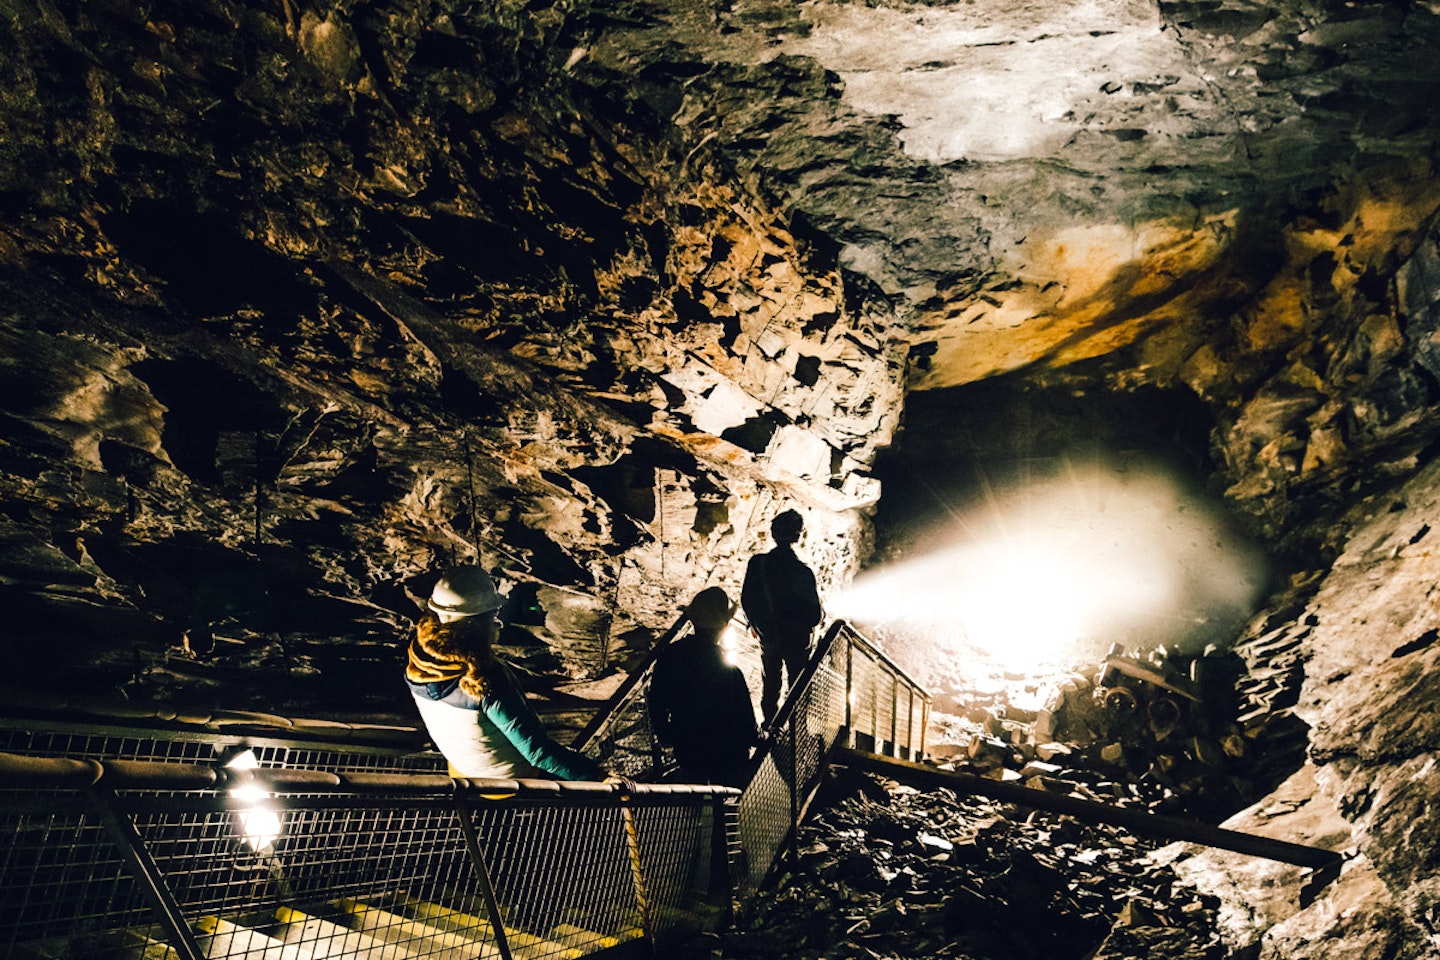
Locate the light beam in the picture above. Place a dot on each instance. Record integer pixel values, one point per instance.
(1051, 571)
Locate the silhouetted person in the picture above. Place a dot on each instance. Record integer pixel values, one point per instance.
(783, 607)
(699, 704)
(469, 699)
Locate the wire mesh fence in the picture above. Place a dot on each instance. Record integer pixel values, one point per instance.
(379, 854)
(39, 739)
(850, 694)
(485, 868)
(62, 881)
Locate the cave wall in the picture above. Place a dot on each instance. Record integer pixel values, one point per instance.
(300, 306)
(302, 302)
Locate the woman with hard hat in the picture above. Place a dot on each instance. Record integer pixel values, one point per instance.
(470, 701)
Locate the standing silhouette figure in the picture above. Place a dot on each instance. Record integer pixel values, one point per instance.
(783, 606)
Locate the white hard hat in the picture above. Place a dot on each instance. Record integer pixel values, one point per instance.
(465, 591)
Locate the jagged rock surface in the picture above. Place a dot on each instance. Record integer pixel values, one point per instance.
(300, 308)
(301, 301)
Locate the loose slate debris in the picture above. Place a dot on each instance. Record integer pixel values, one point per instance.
(884, 870)
(1173, 733)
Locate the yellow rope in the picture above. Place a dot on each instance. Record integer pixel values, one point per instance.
(637, 871)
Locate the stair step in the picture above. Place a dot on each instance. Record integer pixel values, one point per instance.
(416, 937)
(581, 939)
(328, 940)
(136, 943)
(57, 949)
(523, 945)
(570, 933)
(145, 943)
(220, 938)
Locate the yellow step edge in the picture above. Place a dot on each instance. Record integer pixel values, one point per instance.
(327, 940)
(580, 938)
(221, 938)
(427, 939)
(522, 944)
(143, 943)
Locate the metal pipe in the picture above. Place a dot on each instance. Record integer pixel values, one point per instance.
(794, 792)
(1154, 825)
(849, 693)
(19, 770)
(638, 673)
(924, 723)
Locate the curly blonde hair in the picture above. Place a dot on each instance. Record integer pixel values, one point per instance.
(466, 643)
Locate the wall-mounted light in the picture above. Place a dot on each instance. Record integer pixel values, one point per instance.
(257, 822)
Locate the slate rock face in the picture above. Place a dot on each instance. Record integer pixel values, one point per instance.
(300, 302)
(302, 305)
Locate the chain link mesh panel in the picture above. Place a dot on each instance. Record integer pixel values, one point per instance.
(371, 876)
(790, 770)
(207, 747)
(62, 881)
(628, 746)
(357, 876)
(854, 691)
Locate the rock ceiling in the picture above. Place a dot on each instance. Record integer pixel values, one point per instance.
(301, 301)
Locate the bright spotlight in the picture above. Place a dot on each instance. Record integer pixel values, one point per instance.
(1053, 571)
(259, 824)
(732, 642)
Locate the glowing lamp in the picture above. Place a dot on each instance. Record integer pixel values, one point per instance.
(257, 821)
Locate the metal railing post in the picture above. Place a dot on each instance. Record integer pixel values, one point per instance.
(874, 708)
(722, 849)
(482, 871)
(794, 790)
(146, 872)
(909, 723)
(894, 712)
(849, 692)
(924, 726)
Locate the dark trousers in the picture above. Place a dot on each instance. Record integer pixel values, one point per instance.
(788, 657)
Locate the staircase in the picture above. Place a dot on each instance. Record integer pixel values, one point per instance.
(388, 929)
(156, 859)
(135, 841)
(850, 695)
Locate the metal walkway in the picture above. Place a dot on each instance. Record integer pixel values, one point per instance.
(150, 841)
(850, 695)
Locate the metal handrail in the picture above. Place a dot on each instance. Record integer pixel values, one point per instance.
(630, 689)
(810, 706)
(161, 819)
(801, 684)
(160, 814)
(604, 717)
(18, 771)
(859, 639)
(782, 782)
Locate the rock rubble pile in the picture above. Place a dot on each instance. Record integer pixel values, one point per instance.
(1169, 731)
(888, 871)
